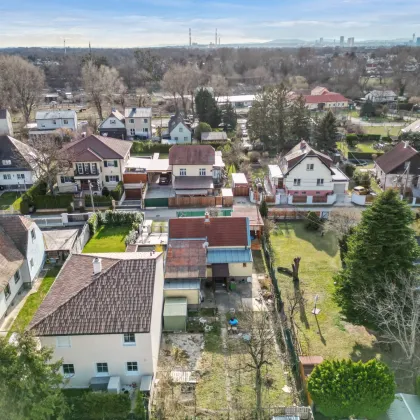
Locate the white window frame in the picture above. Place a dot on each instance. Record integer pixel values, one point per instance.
(112, 179)
(129, 343)
(131, 120)
(79, 167)
(132, 372)
(186, 138)
(112, 122)
(176, 138)
(6, 162)
(7, 291)
(145, 120)
(320, 182)
(110, 164)
(132, 132)
(7, 176)
(202, 172)
(66, 122)
(145, 130)
(68, 375)
(181, 129)
(182, 171)
(296, 182)
(63, 341)
(309, 166)
(55, 122)
(102, 373)
(17, 274)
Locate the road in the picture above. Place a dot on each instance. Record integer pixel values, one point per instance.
(359, 121)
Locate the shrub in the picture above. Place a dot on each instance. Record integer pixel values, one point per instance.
(313, 222)
(82, 209)
(362, 179)
(201, 128)
(105, 406)
(119, 217)
(52, 201)
(343, 388)
(264, 209)
(98, 200)
(349, 170)
(131, 237)
(140, 408)
(93, 223)
(24, 206)
(351, 140)
(254, 157)
(70, 208)
(105, 192)
(118, 191)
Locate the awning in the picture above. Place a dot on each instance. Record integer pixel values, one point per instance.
(220, 270)
(99, 383)
(146, 383)
(191, 192)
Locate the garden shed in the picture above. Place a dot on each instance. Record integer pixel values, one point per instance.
(175, 314)
(240, 185)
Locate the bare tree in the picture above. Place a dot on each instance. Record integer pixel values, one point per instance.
(101, 83)
(340, 221)
(219, 85)
(21, 84)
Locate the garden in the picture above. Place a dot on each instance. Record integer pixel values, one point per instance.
(10, 199)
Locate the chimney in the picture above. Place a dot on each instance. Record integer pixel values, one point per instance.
(97, 265)
(207, 219)
(405, 144)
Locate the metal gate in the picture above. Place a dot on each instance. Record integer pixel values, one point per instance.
(156, 202)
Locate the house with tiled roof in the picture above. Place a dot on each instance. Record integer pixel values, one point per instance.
(100, 160)
(21, 258)
(102, 318)
(326, 100)
(138, 123)
(113, 126)
(179, 131)
(200, 249)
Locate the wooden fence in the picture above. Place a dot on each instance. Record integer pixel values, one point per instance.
(241, 191)
(208, 201)
(319, 199)
(300, 199)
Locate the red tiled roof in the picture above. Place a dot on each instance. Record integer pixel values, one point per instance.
(219, 231)
(395, 157)
(192, 155)
(328, 97)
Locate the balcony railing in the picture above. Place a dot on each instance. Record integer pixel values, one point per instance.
(85, 172)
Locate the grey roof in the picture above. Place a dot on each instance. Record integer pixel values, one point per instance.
(404, 407)
(60, 239)
(10, 259)
(382, 93)
(17, 152)
(50, 115)
(3, 114)
(117, 300)
(175, 120)
(17, 228)
(214, 136)
(138, 113)
(193, 182)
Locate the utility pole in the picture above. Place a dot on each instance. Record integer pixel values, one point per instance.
(406, 178)
(91, 196)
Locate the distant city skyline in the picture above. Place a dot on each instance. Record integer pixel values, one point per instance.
(136, 23)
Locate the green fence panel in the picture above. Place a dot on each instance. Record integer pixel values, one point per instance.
(156, 202)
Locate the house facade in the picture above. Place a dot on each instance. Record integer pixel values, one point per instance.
(52, 120)
(381, 96)
(21, 257)
(326, 101)
(113, 126)
(107, 343)
(178, 130)
(138, 123)
(18, 168)
(6, 126)
(195, 169)
(100, 160)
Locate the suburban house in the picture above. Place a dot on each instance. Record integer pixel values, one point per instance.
(21, 257)
(6, 127)
(113, 126)
(49, 121)
(206, 249)
(18, 168)
(319, 90)
(381, 96)
(179, 131)
(399, 166)
(102, 317)
(100, 160)
(195, 169)
(214, 136)
(326, 101)
(138, 122)
(308, 176)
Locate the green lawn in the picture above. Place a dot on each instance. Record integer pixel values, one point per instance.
(383, 130)
(10, 198)
(107, 239)
(33, 301)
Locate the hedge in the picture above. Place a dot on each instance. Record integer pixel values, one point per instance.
(119, 217)
(97, 199)
(368, 137)
(52, 202)
(34, 191)
(364, 155)
(93, 222)
(140, 147)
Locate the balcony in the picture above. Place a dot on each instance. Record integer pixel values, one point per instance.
(86, 173)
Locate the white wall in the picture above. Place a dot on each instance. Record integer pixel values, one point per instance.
(139, 126)
(35, 251)
(87, 350)
(192, 170)
(107, 124)
(30, 178)
(329, 105)
(14, 288)
(181, 134)
(59, 123)
(6, 127)
(238, 270)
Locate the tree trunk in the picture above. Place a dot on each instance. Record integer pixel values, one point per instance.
(295, 269)
(98, 105)
(184, 105)
(258, 394)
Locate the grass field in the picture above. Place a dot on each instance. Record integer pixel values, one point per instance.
(107, 239)
(33, 301)
(383, 130)
(10, 198)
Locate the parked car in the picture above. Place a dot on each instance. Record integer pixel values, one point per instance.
(165, 178)
(360, 190)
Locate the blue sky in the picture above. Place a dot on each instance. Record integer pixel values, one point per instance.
(132, 23)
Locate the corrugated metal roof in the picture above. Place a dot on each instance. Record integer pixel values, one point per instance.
(181, 285)
(404, 407)
(175, 307)
(240, 178)
(222, 256)
(138, 112)
(47, 115)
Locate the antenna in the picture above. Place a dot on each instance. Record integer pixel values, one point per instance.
(65, 46)
(215, 38)
(190, 37)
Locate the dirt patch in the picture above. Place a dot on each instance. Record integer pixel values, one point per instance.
(359, 330)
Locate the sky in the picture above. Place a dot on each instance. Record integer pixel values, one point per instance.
(136, 23)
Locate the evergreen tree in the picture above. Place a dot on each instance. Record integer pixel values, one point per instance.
(264, 209)
(207, 109)
(229, 117)
(343, 388)
(278, 116)
(367, 109)
(383, 243)
(326, 132)
(300, 123)
(258, 125)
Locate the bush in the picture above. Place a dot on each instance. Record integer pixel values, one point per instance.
(131, 237)
(313, 221)
(118, 191)
(343, 388)
(98, 200)
(24, 206)
(105, 406)
(93, 223)
(351, 140)
(254, 157)
(34, 191)
(111, 217)
(202, 128)
(140, 408)
(70, 208)
(362, 179)
(105, 192)
(149, 147)
(349, 169)
(363, 155)
(52, 201)
(264, 209)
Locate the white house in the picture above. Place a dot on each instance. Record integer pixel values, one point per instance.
(138, 122)
(103, 317)
(52, 120)
(21, 257)
(100, 160)
(113, 126)
(6, 127)
(326, 101)
(179, 131)
(18, 166)
(381, 96)
(310, 176)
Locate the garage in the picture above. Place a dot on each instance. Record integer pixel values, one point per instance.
(340, 188)
(133, 194)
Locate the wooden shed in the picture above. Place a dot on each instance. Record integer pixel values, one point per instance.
(240, 185)
(227, 196)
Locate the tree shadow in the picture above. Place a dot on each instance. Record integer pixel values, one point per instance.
(300, 299)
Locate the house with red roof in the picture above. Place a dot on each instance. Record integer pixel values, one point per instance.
(326, 100)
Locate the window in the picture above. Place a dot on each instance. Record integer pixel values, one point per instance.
(20, 176)
(86, 167)
(132, 131)
(31, 262)
(317, 193)
(185, 138)
(79, 168)
(181, 130)
(111, 163)
(145, 120)
(296, 182)
(54, 122)
(33, 235)
(66, 179)
(310, 167)
(182, 172)
(17, 276)
(6, 162)
(114, 178)
(319, 181)
(303, 192)
(63, 341)
(131, 120)
(112, 122)
(7, 292)
(94, 168)
(202, 171)
(145, 130)
(129, 339)
(132, 368)
(7, 176)
(68, 370)
(176, 138)
(243, 264)
(102, 369)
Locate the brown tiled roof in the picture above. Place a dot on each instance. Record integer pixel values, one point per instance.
(192, 155)
(219, 231)
(185, 260)
(117, 300)
(20, 154)
(395, 157)
(105, 147)
(10, 259)
(87, 155)
(17, 227)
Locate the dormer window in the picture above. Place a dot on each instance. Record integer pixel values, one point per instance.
(6, 162)
(112, 122)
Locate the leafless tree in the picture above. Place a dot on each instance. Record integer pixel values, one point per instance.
(395, 309)
(102, 84)
(219, 84)
(21, 84)
(340, 221)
